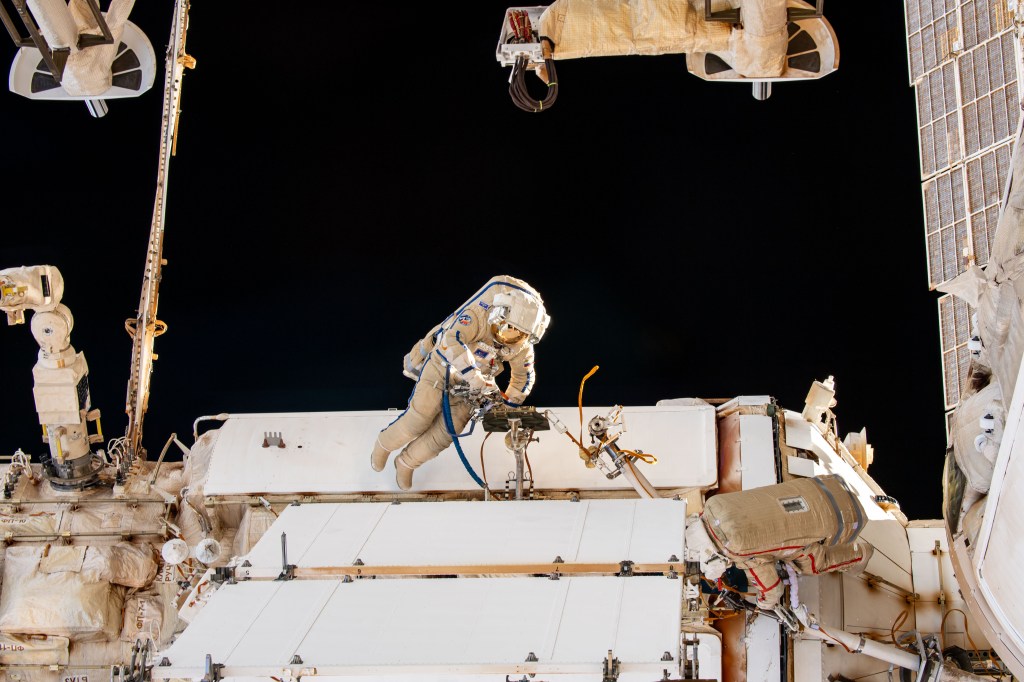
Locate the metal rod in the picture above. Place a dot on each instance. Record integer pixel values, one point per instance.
(38, 40)
(329, 572)
(15, 34)
(86, 40)
(518, 450)
(93, 500)
(71, 536)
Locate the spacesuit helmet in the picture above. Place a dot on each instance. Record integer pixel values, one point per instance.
(516, 315)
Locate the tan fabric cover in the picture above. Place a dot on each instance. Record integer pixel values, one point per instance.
(754, 522)
(127, 564)
(255, 522)
(976, 465)
(114, 518)
(33, 650)
(592, 28)
(32, 523)
(87, 71)
(56, 23)
(77, 604)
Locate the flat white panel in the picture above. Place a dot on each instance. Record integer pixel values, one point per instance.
(801, 466)
(222, 623)
(341, 540)
(476, 532)
(458, 623)
(300, 536)
(807, 660)
(329, 452)
(758, 451)
(273, 637)
(1004, 553)
(709, 656)
(922, 535)
(453, 533)
(763, 647)
(619, 526)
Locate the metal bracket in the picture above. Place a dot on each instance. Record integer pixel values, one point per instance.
(625, 569)
(798, 13)
(224, 574)
(610, 670)
(732, 16)
(212, 670)
(287, 570)
(272, 439)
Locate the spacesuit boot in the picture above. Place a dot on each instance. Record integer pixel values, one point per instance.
(379, 456)
(403, 473)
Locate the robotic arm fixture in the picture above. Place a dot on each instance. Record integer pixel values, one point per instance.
(61, 375)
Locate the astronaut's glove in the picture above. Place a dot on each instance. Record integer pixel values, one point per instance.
(480, 382)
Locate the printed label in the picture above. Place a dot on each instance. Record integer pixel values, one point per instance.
(165, 574)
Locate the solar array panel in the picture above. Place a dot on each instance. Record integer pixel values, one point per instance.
(964, 69)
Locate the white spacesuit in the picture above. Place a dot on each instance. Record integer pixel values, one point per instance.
(461, 356)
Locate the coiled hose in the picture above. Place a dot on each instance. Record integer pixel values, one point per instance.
(517, 83)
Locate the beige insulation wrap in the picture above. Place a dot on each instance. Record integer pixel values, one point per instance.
(594, 28)
(33, 650)
(87, 71)
(34, 523)
(114, 518)
(128, 564)
(756, 56)
(73, 600)
(255, 522)
(784, 518)
(56, 23)
(976, 463)
(145, 613)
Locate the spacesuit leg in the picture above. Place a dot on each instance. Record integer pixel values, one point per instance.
(770, 587)
(429, 445)
(423, 409)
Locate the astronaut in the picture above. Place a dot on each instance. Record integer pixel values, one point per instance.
(460, 358)
(762, 570)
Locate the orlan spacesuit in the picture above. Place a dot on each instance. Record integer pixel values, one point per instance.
(810, 525)
(500, 323)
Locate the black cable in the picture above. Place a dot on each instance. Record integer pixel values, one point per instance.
(519, 92)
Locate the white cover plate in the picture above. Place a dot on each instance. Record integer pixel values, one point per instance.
(468, 626)
(329, 452)
(469, 533)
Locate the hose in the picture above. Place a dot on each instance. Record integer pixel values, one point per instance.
(517, 83)
(446, 410)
